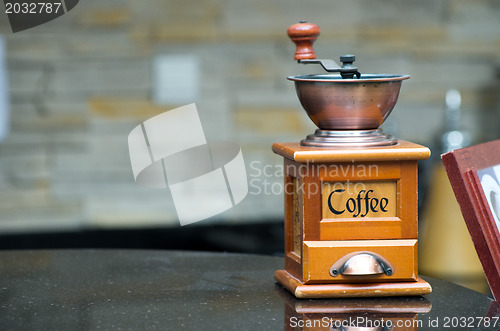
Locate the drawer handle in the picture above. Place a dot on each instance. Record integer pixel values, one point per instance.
(360, 264)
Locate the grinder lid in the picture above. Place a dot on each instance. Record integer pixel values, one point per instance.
(336, 78)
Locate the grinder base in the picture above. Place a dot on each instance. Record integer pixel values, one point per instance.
(317, 291)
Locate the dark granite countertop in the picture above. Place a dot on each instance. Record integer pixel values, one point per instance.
(170, 290)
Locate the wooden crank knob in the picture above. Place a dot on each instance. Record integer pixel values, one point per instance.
(304, 34)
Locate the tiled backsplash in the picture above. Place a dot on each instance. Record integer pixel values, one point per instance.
(81, 83)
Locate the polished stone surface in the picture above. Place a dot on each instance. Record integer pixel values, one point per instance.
(145, 290)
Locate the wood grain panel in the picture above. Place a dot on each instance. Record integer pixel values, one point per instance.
(319, 256)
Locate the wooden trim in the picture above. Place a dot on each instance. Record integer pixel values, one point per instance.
(312, 204)
(461, 166)
(403, 150)
(293, 261)
(318, 291)
(359, 229)
(408, 199)
(294, 256)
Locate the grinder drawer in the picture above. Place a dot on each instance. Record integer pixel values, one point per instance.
(359, 261)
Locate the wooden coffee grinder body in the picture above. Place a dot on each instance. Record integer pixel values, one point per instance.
(351, 224)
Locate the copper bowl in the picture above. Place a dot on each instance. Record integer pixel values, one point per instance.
(334, 103)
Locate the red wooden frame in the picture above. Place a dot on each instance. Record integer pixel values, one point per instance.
(462, 166)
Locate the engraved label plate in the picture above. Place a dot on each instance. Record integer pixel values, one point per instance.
(359, 199)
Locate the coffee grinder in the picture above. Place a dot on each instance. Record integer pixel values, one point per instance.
(350, 189)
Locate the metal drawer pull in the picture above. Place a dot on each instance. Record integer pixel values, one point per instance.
(360, 264)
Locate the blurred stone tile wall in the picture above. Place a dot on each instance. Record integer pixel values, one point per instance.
(81, 83)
